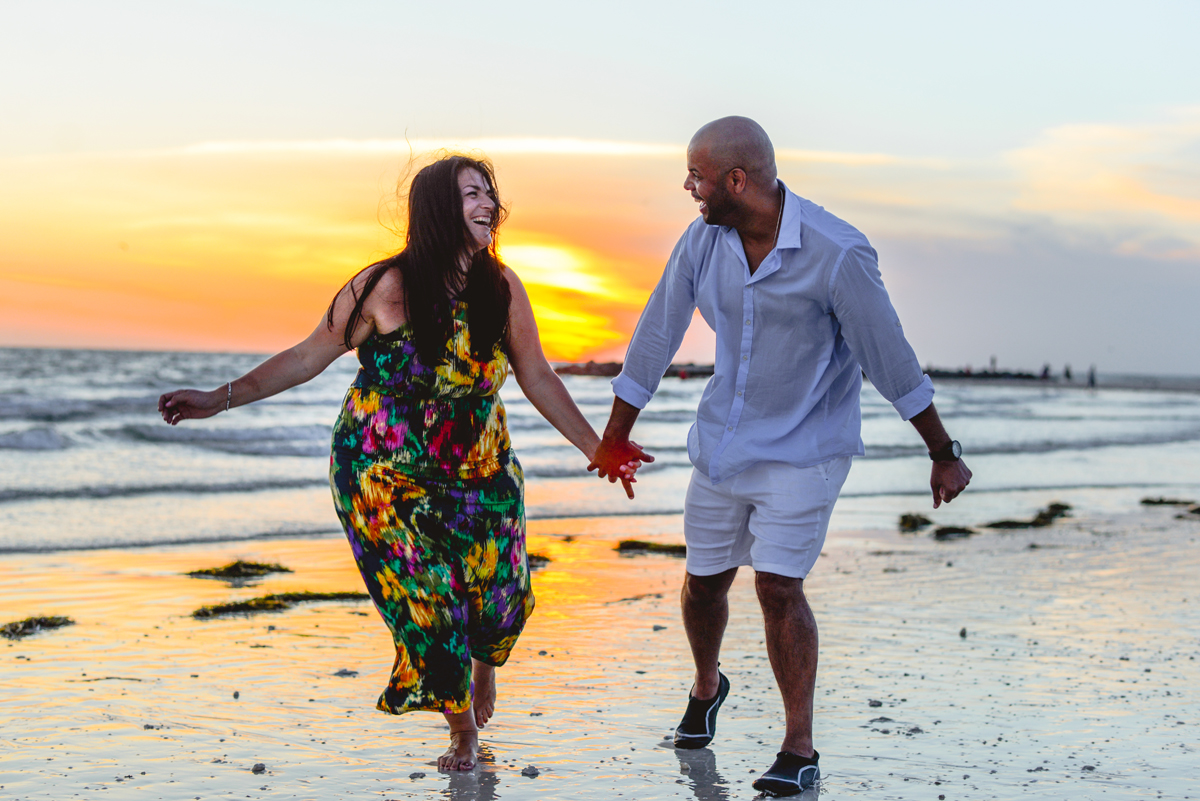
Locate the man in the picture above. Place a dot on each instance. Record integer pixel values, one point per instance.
(795, 297)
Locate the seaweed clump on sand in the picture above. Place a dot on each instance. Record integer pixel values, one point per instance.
(642, 546)
(914, 522)
(1191, 513)
(275, 603)
(32, 625)
(952, 533)
(537, 560)
(1166, 502)
(239, 570)
(1042, 519)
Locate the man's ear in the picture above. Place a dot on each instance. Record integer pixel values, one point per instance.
(735, 180)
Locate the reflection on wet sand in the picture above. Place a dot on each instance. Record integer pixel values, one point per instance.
(476, 785)
(1073, 677)
(699, 769)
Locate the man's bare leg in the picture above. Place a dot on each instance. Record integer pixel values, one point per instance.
(705, 601)
(484, 677)
(464, 742)
(792, 649)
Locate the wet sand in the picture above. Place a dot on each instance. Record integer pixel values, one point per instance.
(975, 669)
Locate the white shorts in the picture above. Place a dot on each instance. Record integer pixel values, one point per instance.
(772, 516)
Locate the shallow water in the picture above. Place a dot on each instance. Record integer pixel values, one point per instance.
(82, 445)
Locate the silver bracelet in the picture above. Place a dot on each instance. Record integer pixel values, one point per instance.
(228, 394)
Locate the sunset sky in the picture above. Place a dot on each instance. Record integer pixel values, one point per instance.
(205, 175)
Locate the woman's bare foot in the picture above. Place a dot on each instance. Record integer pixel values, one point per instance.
(484, 703)
(464, 743)
(463, 750)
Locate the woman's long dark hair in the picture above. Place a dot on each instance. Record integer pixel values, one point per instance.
(435, 240)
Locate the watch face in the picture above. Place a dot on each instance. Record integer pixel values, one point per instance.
(956, 449)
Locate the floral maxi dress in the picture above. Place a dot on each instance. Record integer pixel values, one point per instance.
(431, 498)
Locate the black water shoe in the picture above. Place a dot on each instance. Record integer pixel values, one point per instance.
(791, 774)
(699, 723)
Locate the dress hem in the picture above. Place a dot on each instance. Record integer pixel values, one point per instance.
(445, 709)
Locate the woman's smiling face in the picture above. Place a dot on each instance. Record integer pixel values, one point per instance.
(479, 207)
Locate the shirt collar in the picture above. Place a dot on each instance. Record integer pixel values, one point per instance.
(789, 227)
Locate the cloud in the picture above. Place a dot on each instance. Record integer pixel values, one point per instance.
(859, 159)
(506, 145)
(1129, 190)
(1136, 187)
(570, 146)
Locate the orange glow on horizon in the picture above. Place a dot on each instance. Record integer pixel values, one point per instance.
(240, 246)
(574, 292)
(241, 249)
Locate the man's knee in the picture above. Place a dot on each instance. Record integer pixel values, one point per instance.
(707, 589)
(778, 592)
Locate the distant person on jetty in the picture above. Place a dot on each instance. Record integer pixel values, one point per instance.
(424, 479)
(796, 299)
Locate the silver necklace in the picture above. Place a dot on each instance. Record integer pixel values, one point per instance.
(779, 221)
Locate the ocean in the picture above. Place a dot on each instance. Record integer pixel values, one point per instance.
(86, 462)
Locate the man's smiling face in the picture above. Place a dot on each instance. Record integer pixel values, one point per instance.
(706, 182)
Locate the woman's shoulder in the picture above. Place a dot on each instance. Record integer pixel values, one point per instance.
(514, 281)
(385, 286)
(389, 277)
(380, 291)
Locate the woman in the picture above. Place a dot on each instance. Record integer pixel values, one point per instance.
(423, 475)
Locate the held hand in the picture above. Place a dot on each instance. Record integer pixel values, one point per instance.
(947, 480)
(627, 472)
(189, 404)
(619, 459)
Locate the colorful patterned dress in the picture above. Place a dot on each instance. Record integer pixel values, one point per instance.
(431, 497)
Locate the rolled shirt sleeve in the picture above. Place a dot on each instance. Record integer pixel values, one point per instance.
(659, 331)
(872, 329)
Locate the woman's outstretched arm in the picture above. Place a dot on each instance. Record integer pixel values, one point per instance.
(544, 388)
(294, 366)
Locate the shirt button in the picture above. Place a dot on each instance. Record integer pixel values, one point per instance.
(730, 428)
(744, 358)
(739, 393)
(747, 322)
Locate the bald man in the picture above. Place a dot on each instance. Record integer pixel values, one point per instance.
(799, 309)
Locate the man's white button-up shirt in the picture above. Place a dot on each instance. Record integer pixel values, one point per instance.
(790, 342)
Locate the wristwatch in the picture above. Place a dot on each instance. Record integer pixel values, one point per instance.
(950, 453)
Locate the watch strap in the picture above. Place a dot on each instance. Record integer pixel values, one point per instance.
(950, 453)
